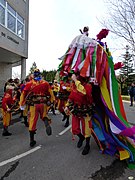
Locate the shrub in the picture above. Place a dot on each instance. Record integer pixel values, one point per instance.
(126, 98)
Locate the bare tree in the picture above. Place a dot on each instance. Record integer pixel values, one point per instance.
(121, 20)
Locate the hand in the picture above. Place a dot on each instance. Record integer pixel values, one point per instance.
(48, 103)
(22, 107)
(8, 110)
(74, 77)
(63, 87)
(51, 105)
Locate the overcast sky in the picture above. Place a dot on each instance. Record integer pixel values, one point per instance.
(54, 23)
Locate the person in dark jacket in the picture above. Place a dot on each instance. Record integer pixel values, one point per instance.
(132, 94)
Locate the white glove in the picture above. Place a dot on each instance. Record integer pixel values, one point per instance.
(22, 107)
(74, 78)
(8, 110)
(63, 87)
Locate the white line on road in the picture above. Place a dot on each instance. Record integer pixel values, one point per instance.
(19, 156)
(65, 130)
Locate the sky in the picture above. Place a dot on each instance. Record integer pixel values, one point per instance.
(53, 24)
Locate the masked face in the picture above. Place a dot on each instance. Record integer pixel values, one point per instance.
(37, 75)
(38, 78)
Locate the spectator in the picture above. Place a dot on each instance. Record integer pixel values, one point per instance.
(132, 93)
(9, 82)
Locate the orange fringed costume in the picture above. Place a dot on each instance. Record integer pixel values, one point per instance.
(80, 105)
(38, 94)
(56, 88)
(7, 104)
(65, 89)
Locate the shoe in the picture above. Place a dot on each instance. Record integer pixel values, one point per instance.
(86, 150)
(66, 124)
(6, 133)
(26, 124)
(64, 118)
(48, 130)
(53, 111)
(131, 105)
(48, 127)
(80, 142)
(32, 143)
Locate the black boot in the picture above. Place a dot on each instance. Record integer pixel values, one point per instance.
(67, 122)
(87, 147)
(5, 132)
(48, 127)
(21, 115)
(25, 121)
(64, 116)
(53, 110)
(81, 139)
(32, 141)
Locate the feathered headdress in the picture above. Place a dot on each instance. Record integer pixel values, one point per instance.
(102, 34)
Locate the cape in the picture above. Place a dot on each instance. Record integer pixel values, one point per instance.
(111, 129)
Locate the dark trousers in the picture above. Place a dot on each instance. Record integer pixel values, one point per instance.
(132, 99)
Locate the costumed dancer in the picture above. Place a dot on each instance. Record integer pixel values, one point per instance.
(65, 89)
(55, 88)
(25, 110)
(110, 127)
(80, 105)
(7, 107)
(17, 91)
(37, 93)
(52, 105)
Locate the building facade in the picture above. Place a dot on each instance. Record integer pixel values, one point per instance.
(14, 21)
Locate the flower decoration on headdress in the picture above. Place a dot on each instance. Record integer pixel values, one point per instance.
(102, 34)
(118, 65)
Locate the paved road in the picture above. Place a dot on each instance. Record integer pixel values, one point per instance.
(56, 157)
(130, 112)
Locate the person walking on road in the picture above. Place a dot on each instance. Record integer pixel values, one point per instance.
(63, 94)
(80, 106)
(24, 113)
(38, 94)
(132, 94)
(7, 106)
(55, 88)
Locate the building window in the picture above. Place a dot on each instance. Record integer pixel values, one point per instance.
(11, 10)
(20, 18)
(2, 15)
(3, 2)
(11, 19)
(11, 22)
(20, 30)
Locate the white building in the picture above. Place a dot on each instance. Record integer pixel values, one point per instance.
(14, 20)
